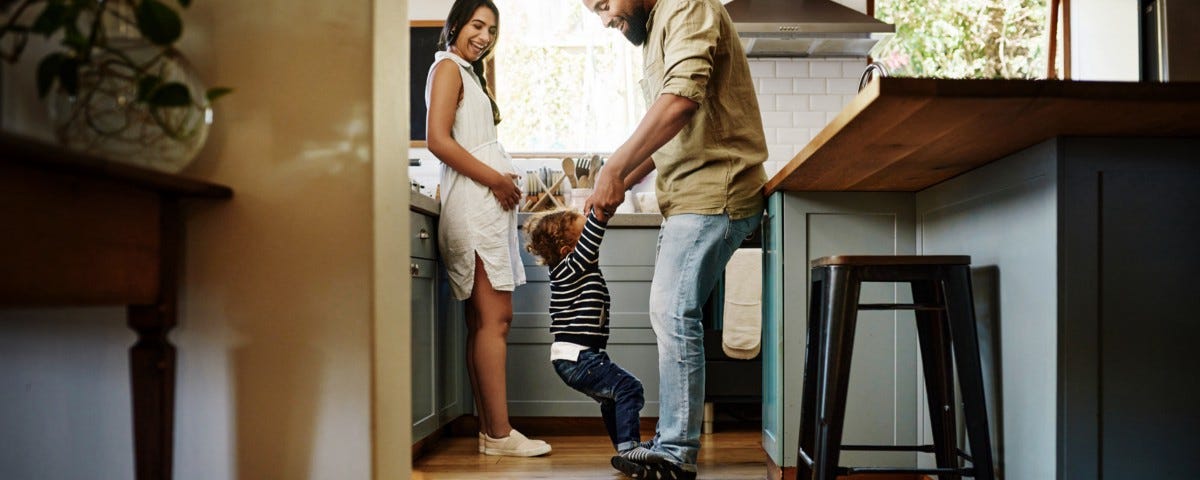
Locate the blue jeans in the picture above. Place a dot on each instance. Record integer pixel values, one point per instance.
(618, 391)
(692, 253)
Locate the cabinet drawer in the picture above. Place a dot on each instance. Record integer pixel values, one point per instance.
(424, 236)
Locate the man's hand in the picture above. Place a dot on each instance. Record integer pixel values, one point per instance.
(608, 193)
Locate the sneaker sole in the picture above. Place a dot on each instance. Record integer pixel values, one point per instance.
(664, 470)
(533, 452)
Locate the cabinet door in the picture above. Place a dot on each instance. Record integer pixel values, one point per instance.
(452, 400)
(424, 316)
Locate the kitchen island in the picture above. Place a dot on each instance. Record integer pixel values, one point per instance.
(1077, 202)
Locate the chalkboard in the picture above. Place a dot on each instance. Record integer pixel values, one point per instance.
(423, 44)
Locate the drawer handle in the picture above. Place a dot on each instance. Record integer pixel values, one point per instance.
(414, 269)
(424, 235)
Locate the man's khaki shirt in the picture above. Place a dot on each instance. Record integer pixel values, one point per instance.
(714, 165)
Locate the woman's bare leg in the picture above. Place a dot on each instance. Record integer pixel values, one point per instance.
(493, 309)
(472, 320)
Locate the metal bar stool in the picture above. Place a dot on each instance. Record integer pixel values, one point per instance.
(941, 290)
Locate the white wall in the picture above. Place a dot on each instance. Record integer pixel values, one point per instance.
(1104, 40)
(430, 9)
(274, 336)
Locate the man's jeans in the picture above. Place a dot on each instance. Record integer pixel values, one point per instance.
(692, 253)
(618, 391)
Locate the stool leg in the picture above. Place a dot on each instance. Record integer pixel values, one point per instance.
(812, 369)
(961, 313)
(934, 336)
(839, 322)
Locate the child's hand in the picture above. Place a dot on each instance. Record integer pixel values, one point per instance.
(504, 188)
(600, 215)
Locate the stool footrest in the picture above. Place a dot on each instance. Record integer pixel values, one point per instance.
(965, 472)
(902, 448)
(900, 306)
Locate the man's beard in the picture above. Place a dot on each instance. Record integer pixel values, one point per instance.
(635, 31)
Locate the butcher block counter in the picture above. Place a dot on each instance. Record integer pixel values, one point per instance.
(1077, 203)
(907, 134)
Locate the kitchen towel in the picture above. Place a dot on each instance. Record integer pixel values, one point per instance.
(741, 333)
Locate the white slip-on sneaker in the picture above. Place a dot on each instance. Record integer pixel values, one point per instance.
(480, 442)
(514, 445)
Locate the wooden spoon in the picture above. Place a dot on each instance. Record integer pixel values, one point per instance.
(569, 171)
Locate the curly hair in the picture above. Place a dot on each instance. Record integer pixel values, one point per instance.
(546, 234)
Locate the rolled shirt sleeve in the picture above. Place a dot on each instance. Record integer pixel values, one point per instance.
(690, 38)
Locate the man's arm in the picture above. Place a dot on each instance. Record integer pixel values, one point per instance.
(666, 117)
(639, 172)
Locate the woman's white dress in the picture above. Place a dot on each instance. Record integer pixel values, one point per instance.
(472, 221)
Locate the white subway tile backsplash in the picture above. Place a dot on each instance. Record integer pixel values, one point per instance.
(779, 152)
(791, 103)
(777, 119)
(766, 103)
(808, 85)
(791, 68)
(825, 70)
(762, 68)
(841, 85)
(775, 85)
(829, 116)
(853, 69)
(793, 136)
(826, 103)
(769, 134)
(808, 119)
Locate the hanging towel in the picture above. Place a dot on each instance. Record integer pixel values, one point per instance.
(742, 330)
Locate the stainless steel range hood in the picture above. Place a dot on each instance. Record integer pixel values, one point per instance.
(804, 28)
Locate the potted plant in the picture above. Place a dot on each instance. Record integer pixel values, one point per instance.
(115, 85)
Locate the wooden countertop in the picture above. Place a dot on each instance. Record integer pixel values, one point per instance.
(907, 134)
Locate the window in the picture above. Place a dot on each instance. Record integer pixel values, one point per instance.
(564, 83)
(965, 38)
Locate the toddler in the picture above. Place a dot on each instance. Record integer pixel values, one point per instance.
(569, 244)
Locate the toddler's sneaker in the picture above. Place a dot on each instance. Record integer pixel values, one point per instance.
(514, 445)
(665, 470)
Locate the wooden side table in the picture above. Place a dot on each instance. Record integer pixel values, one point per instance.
(81, 230)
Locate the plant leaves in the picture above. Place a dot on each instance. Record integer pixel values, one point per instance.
(68, 75)
(47, 71)
(172, 94)
(158, 22)
(51, 19)
(217, 92)
(146, 86)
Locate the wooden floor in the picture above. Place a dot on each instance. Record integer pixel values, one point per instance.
(724, 455)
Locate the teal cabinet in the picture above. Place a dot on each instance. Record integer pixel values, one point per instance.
(882, 398)
(438, 344)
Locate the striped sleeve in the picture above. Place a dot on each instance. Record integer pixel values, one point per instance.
(588, 247)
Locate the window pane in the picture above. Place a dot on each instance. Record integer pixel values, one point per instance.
(563, 82)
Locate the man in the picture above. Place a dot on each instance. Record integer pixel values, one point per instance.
(704, 130)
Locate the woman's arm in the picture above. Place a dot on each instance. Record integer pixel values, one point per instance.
(444, 96)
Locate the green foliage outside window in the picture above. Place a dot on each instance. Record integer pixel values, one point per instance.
(965, 38)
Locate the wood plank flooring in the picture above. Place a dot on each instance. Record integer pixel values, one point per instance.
(732, 455)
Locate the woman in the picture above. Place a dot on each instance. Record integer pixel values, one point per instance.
(477, 232)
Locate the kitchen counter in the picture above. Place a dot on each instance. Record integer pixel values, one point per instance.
(429, 206)
(424, 204)
(907, 134)
(620, 220)
(1076, 202)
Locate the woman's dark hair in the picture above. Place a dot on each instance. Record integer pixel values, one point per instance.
(460, 14)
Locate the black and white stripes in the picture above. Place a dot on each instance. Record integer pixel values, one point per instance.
(578, 294)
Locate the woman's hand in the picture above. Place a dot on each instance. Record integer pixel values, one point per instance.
(504, 187)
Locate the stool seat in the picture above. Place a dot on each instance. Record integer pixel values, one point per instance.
(887, 260)
(946, 334)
